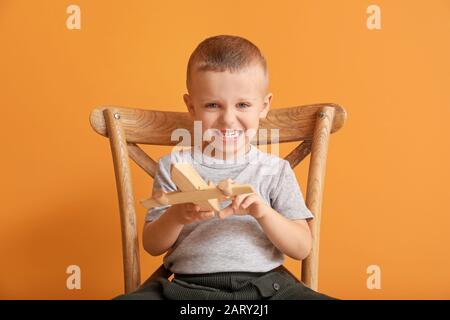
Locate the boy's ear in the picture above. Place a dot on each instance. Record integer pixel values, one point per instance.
(190, 107)
(266, 106)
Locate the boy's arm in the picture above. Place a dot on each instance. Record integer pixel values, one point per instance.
(292, 237)
(286, 224)
(160, 235)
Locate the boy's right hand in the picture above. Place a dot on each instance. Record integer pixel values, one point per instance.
(187, 213)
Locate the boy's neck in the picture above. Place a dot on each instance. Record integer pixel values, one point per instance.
(227, 156)
(244, 157)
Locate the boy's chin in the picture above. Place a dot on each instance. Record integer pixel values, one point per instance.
(226, 151)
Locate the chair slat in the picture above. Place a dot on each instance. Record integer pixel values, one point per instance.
(314, 192)
(142, 159)
(299, 153)
(130, 244)
(155, 127)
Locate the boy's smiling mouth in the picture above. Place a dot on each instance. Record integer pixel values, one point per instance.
(229, 134)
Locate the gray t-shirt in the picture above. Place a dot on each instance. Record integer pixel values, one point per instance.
(236, 243)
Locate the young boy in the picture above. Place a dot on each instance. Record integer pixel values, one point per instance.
(237, 254)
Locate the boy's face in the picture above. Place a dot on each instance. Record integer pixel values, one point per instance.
(229, 106)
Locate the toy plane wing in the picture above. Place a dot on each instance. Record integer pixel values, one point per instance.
(194, 189)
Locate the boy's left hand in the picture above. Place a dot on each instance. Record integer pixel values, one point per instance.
(247, 203)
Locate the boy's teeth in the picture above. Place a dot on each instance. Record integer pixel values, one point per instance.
(231, 133)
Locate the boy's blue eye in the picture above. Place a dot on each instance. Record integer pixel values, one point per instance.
(240, 105)
(243, 105)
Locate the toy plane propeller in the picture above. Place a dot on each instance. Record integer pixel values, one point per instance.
(194, 189)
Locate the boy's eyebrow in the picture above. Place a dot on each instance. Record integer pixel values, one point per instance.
(216, 100)
(209, 100)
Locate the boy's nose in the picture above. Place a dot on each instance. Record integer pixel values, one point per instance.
(228, 118)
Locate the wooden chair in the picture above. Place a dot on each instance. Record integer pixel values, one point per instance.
(127, 127)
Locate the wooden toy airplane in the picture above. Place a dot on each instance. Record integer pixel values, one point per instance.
(194, 189)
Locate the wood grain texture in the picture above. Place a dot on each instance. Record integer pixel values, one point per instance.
(155, 127)
(187, 179)
(130, 246)
(142, 159)
(299, 153)
(316, 178)
(195, 196)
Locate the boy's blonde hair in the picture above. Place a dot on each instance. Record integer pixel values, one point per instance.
(225, 53)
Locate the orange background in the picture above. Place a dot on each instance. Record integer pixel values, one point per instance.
(386, 199)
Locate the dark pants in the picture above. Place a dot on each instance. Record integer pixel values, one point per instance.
(277, 284)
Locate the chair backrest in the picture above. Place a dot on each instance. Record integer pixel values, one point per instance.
(128, 127)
